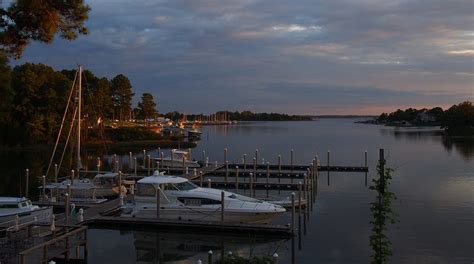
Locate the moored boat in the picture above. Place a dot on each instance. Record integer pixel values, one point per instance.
(183, 200)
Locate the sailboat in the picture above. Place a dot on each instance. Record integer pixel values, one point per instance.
(103, 184)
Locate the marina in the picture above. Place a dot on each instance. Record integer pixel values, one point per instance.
(103, 213)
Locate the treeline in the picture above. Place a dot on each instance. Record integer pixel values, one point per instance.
(34, 97)
(458, 119)
(241, 116)
(250, 116)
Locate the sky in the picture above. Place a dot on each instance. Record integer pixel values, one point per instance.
(293, 56)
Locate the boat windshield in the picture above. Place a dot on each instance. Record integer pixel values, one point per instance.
(185, 186)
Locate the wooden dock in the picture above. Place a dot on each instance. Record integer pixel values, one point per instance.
(191, 226)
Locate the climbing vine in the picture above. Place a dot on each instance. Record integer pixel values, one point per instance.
(382, 213)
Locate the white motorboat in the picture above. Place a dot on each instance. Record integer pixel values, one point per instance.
(181, 199)
(103, 185)
(176, 160)
(11, 207)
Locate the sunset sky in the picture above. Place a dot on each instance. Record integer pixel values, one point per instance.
(298, 56)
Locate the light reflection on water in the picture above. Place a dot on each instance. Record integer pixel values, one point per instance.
(433, 179)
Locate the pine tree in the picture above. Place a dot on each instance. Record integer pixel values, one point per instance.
(122, 96)
(147, 107)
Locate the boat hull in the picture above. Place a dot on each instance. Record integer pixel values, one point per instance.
(213, 215)
(43, 215)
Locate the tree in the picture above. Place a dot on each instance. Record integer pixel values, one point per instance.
(40, 20)
(40, 98)
(122, 94)
(6, 92)
(147, 107)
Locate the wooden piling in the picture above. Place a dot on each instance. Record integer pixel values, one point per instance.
(237, 178)
(299, 215)
(144, 158)
(200, 178)
(329, 169)
(56, 172)
(291, 160)
(27, 173)
(149, 164)
(98, 165)
(208, 183)
(226, 170)
(158, 202)
(365, 163)
(135, 165)
(245, 164)
(222, 207)
(184, 165)
(130, 160)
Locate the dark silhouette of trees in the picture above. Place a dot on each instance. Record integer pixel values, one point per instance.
(147, 107)
(122, 94)
(40, 20)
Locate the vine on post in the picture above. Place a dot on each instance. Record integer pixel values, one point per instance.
(382, 213)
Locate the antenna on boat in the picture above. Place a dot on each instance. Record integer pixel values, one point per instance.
(79, 110)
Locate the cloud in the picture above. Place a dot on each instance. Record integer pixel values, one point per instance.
(349, 55)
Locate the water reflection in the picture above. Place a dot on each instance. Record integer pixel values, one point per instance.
(464, 146)
(180, 247)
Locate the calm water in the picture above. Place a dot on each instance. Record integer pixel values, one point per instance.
(433, 179)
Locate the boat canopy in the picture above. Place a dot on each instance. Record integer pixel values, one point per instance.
(107, 175)
(5, 200)
(161, 179)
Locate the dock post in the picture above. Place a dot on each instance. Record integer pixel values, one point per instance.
(291, 160)
(365, 154)
(98, 165)
(190, 154)
(43, 188)
(144, 158)
(268, 177)
(204, 157)
(200, 179)
(316, 174)
(328, 168)
(305, 187)
(237, 178)
(114, 159)
(158, 203)
(256, 156)
(161, 159)
(226, 171)
(72, 177)
(120, 182)
(149, 164)
(251, 183)
(209, 181)
(194, 172)
(310, 186)
(293, 228)
(56, 172)
(172, 159)
(279, 164)
(245, 164)
(275, 258)
(300, 201)
(135, 165)
(27, 174)
(184, 165)
(66, 205)
(225, 155)
(255, 167)
(116, 167)
(209, 257)
(222, 207)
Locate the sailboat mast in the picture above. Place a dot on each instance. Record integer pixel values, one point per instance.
(79, 110)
